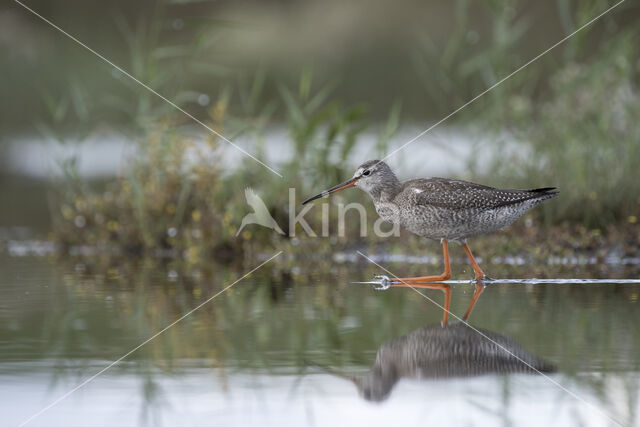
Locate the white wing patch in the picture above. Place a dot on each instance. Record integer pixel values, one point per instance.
(417, 190)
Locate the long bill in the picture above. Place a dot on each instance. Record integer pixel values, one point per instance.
(346, 184)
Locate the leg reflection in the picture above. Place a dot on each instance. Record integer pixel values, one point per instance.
(441, 286)
(474, 299)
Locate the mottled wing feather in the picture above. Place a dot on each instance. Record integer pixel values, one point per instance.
(457, 194)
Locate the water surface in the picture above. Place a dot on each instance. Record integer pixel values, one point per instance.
(298, 349)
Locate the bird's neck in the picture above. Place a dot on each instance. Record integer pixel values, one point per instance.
(387, 191)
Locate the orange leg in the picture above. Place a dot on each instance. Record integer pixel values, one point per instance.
(444, 276)
(446, 289)
(474, 299)
(476, 268)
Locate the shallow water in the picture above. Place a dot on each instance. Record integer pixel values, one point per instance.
(278, 350)
(445, 150)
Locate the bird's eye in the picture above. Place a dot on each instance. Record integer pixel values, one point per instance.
(366, 173)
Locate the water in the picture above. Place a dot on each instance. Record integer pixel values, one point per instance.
(443, 151)
(298, 349)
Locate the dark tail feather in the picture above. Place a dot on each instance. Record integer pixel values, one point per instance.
(544, 190)
(537, 195)
(544, 193)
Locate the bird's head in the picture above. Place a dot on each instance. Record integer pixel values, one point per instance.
(376, 385)
(369, 176)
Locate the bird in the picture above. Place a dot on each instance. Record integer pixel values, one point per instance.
(260, 215)
(441, 209)
(450, 351)
(439, 351)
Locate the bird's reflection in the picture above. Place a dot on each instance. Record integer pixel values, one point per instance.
(443, 351)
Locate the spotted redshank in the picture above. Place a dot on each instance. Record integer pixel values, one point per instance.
(441, 209)
(442, 351)
(436, 352)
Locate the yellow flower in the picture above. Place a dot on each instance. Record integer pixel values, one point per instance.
(633, 219)
(196, 215)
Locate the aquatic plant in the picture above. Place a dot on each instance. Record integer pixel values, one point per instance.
(166, 204)
(584, 139)
(177, 198)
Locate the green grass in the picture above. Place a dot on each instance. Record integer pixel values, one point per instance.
(584, 139)
(177, 198)
(575, 120)
(573, 111)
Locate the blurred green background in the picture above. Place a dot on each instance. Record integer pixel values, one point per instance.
(375, 52)
(312, 88)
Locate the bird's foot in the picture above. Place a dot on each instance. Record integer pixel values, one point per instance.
(384, 282)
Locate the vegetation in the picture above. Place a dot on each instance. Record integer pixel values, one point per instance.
(177, 197)
(584, 139)
(163, 206)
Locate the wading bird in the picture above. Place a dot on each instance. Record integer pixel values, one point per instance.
(441, 209)
(442, 351)
(452, 351)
